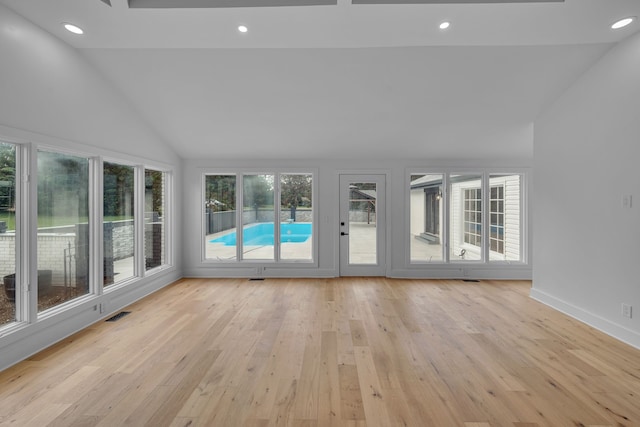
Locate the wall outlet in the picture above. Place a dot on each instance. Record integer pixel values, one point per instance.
(626, 311)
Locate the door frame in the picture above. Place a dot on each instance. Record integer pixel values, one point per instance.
(381, 268)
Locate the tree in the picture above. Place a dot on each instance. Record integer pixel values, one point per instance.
(220, 192)
(154, 191)
(7, 176)
(257, 191)
(118, 190)
(295, 191)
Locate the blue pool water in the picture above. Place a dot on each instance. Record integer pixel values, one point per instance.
(262, 234)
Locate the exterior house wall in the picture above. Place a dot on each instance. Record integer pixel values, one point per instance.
(456, 225)
(512, 212)
(512, 201)
(417, 212)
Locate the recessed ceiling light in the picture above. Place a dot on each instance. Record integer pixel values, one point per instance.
(623, 22)
(444, 25)
(242, 28)
(73, 29)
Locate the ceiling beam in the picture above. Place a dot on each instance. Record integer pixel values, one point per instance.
(451, 1)
(190, 4)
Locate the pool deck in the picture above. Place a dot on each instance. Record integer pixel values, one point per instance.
(362, 241)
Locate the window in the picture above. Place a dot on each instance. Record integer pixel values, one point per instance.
(154, 218)
(465, 217)
(470, 211)
(220, 217)
(425, 217)
(8, 233)
(51, 231)
(505, 217)
(258, 217)
(276, 217)
(296, 216)
(63, 228)
(496, 203)
(119, 228)
(472, 223)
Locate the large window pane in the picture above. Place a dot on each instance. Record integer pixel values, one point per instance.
(296, 217)
(8, 232)
(465, 217)
(154, 215)
(119, 225)
(63, 228)
(504, 217)
(258, 217)
(425, 217)
(363, 223)
(220, 217)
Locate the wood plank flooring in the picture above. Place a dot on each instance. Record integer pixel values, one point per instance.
(330, 352)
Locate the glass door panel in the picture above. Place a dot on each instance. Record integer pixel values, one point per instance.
(362, 225)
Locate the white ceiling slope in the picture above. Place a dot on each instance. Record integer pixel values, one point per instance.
(402, 89)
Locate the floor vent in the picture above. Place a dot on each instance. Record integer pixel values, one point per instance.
(256, 278)
(117, 316)
(471, 280)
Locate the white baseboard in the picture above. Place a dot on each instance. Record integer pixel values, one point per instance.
(608, 327)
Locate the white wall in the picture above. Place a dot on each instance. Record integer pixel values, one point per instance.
(398, 232)
(586, 153)
(50, 96)
(48, 88)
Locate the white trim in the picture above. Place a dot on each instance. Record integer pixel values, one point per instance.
(258, 266)
(30, 214)
(606, 326)
(96, 226)
(61, 145)
(138, 220)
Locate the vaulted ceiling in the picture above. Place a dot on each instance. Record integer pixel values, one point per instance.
(344, 80)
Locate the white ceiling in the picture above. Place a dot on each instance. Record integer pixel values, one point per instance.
(347, 81)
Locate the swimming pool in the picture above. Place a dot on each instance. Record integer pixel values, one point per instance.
(262, 234)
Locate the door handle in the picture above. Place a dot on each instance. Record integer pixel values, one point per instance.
(342, 233)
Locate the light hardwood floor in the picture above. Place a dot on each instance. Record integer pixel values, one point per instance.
(330, 352)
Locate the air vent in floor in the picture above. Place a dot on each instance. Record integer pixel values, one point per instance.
(117, 316)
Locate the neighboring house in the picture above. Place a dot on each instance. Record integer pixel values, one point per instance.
(465, 215)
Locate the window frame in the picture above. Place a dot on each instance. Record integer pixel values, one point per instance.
(486, 175)
(260, 264)
(168, 221)
(26, 201)
(467, 212)
(93, 237)
(138, 273)
(443, 219)
(500, 214)
(502, 175)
